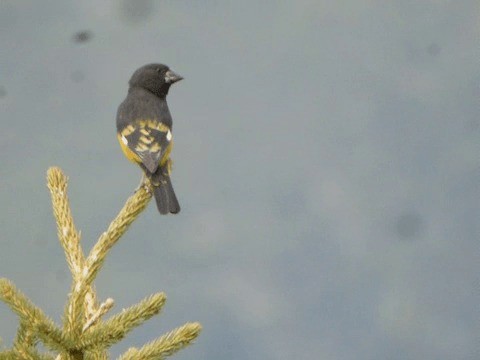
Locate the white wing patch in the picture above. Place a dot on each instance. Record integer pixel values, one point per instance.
(169, 135)
(124, 140)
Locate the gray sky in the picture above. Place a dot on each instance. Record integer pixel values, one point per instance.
(326, 161)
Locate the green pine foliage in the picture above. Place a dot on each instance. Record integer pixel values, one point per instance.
(85, 334)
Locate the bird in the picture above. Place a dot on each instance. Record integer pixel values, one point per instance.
(144, 130)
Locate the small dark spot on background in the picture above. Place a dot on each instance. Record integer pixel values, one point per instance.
(82, 36)
(409, 225)
(433, 49)
(136, 11)
(77, 76)
(3, 92)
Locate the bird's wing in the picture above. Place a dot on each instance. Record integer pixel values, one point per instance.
(149, 139)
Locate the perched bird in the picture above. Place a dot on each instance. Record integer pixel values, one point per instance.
(144, 130)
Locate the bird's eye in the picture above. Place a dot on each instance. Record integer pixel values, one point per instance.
(158, 70)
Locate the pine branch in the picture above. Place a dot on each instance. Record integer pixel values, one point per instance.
(133, 207)
(43, 327)
(102, 310)
(166, 345)
(91, 306)
(25, 336)
(69, 238)
(68, 235)
(96, 355)
(8, 355)
(25, 342)
(85, 336)
(118, 326)
(27, 353)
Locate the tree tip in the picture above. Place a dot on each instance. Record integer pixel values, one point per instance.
(56, 178)
(194, 328)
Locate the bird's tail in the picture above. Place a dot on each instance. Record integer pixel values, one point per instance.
(163, 191)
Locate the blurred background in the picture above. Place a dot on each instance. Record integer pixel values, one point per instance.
(326, 161)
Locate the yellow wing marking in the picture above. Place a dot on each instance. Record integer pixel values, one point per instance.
(128, 130)
(145, 124)
(162, 127)
(146, 139)
(146, 142)
(155, 147)
(140, 147)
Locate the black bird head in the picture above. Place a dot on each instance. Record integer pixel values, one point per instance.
(155, 78)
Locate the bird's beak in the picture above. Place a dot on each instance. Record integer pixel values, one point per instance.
(171, 77)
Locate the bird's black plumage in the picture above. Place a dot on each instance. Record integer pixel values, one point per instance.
(144, 129)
